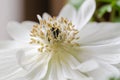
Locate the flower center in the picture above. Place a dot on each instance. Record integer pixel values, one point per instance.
(53, 33)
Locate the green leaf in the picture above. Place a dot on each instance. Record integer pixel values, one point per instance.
(118, 3)
(76, 3)
(116, 19)
(104, 9)
(113, 78)
(106, 1)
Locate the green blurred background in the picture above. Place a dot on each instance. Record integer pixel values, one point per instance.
(106, 10)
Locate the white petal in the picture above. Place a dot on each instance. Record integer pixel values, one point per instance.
(69, 64)
(68, 12)
(102, 49)
(46, 16)
(22, 78)
(67, 72)
(88, 66)
(72, 74)
(104, 72)
(110, 58)
(118, 66)
(60, 70)
(28, 24)
(9, 65)
(71, 60)
(85, 13)
(27, 59)
(39, 70)
(18, 32)
(55, 72)
(108, 53)
(28, 56)
(79, 60)
(14, 76)
(9, 44)
(100, 33)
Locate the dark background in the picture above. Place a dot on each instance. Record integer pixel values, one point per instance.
(34, 7)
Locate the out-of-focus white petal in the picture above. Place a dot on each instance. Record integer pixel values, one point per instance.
(46, 16)
(85, 13)
(7, 45)
(104, 72)
(28, 24)
(18, 31)
(68, 12)
(100, 33)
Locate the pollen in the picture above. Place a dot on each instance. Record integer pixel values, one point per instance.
(54, 32)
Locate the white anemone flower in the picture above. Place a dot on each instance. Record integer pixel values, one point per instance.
(61, 48)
